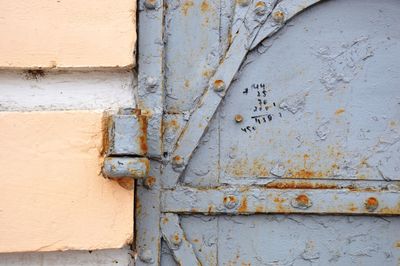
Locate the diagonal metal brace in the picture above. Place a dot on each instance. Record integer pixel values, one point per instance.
(174, 236)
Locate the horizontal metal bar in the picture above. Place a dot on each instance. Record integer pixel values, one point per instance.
(240, 200)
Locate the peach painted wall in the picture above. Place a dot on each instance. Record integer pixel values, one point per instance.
(67, 33)
(53, 196)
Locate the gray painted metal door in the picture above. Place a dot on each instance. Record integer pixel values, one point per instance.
(274, 132)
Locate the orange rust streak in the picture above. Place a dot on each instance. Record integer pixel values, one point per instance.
(243, 205)
(186, 5)
(339, 111)
(299, 185)
(143, 138)
(204, 6)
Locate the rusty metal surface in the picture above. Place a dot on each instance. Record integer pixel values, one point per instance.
(150, 91)
(175, 238)
(324, 142)
(332, 117)
(127, 134)
(250, 200)
(147, 218)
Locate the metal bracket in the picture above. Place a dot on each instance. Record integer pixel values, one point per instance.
(127, 144)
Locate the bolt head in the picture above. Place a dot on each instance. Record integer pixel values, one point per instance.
(371, 204)
(302, 201)
(178, 163)
(230, 201)
(149, 182)
(219, 85)
(176, 239)
(238, 118)
(146, 256)
(150, 4)
(260, 8)
(278, 16)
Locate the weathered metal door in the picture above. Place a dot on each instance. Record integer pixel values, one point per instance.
(274, 132)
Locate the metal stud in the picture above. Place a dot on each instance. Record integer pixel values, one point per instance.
(150, 4)
(278, 16)
(230, 201)
(178, 163)
(176, 239)
(238, 118)
(146, 256)
(371, 204)
(260, 8)
(302, 201)
(219, 85)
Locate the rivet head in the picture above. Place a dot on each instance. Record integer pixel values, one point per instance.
(302, 201)
(260, 8)
(371, 204)
(177, 163)
(243, 2)
(146, 256)
(149, 182)
(278, 16)
(176, 239)
(230, 201)
(238, 118)
(219, 85)
(150, 4)
(151, 84)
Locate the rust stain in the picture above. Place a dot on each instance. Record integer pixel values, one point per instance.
(340, 111)
(106, 123)
(207, 73)
(299, 185)
(211, 209)
(165, 220)
(138, 206)
(398, 244)
(243, 205)
(353, 207)
(204, 6)
(176, 237)
(143, 137)
(260, 208)
(127, 183)
(305, 173)
(186, 5)
(279, 205)
(186, 84)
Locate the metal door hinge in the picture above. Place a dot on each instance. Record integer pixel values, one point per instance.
(126, 146)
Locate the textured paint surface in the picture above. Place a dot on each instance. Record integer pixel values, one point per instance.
(67, 33)
(334, 63)
(53, 195)
(25, 91)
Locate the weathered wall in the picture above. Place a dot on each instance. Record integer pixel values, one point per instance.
(74, 33)
(50, 94)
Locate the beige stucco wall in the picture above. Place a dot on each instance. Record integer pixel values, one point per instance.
(67, 33)
(53, 194)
